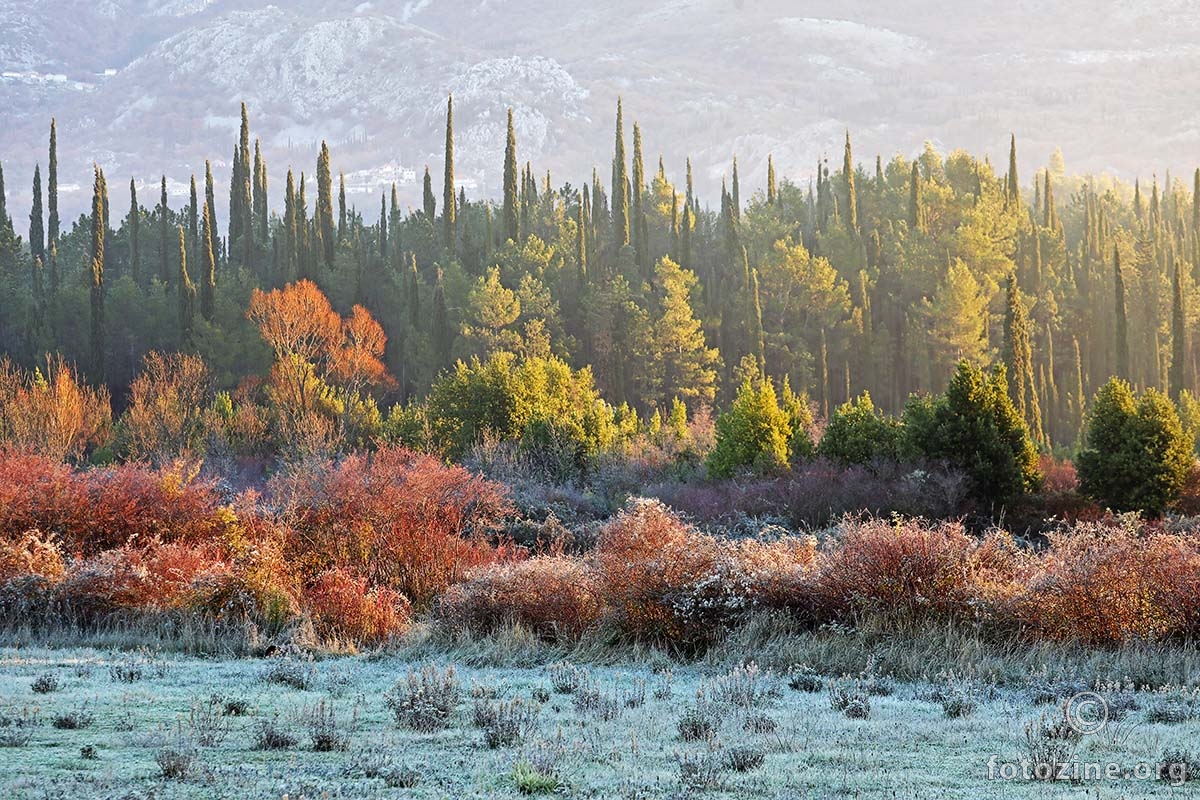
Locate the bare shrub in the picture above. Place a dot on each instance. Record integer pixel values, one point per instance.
(745, 686)
(324, 731)
(207, 723)
(17, 726)
(701, 770)
(290, 673)
(75, 719)
(850, 697)
(697, 723)
(269, 734)
(745, 758)
(46, 683)
(566, 677)
(425, 699)
(504, 723)
(1049, 743)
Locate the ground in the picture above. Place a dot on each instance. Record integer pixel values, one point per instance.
(598, 738)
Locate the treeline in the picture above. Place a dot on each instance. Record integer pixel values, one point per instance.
(874, 278)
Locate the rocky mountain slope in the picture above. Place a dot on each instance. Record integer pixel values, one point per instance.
(147, 86)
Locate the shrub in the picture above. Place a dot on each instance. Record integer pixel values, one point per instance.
(1179, 766)
(270, 735)
(566, 677)
(343, 607)
(504, 723)
(752, 434)
(858, 434)
(51, 412)
(46, 683)
(286, 672)
(74, 719)
(556, 597)
(745, 758)
(699, 771)
(745, 686)
(166, 405)
(696, 724)
(531, 780)
(16, 727)
(804, 679)
(1137, 455)
(850, 697)
(398, 519)
(31, 554)
(975, 427)
(1049, 743)
(208, 724)
(177, 760)
(425, 699)
(324, 731)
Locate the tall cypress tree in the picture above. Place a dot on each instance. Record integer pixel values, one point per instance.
(97, 286)
(324, 214)
(234, 233)
(916, 205)
(692, 200)
(208, 272)
(135, 234)
(449, 212)
(291, 238)
(851, 193)
(37, 231)
(1049, 214)
(441, 325)
(193, 218)
(383, 222)
(1013, 188)
(771, 190)
(164, 237)
(210, 204)
(511, 228)
(53, 224)
(1018, 357)
(637, 191)
(685, 237)
(430, 201)
(1177, 379)
(736, 196)
(341, 232)
(1122, 325)
(187, 295)
(620, 185)
(259, 196)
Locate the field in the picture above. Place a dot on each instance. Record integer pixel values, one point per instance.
(110, 723)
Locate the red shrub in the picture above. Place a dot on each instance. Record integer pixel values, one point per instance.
(342, 607)
(1058, 476)
(397, 518)
(555, 596)
(914, 568)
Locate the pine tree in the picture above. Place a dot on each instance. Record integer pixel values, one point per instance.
(97, 286)
(771, 190)
(1177, 379)
(1018, 357)
(53, 223)
(1122, 326)
(135, 228)
(851, 216)
(511, 227)
(164, 237)
(187, 295)
(37, 233)
(620, 186)
(324, 212)
(208, 272)
(449, 212)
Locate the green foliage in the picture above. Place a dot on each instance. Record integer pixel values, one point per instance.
(1137, 454)
(975, 427)
(858, 433)
(752, 434)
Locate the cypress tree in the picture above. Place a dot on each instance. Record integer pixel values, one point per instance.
(324, 211)
(235, 203)
(1138, 206)
(208, 273)
(511, 226)
(879, 173)
(1122, 325)
(685, 238)
(916, 205)
(735, 196)
(37, 232)
(1050, 214)
(581, 247)
(429, 200)
(383, 223)
(757, 339)
(449, 212)
(1177, 380)
(441, 324)
(5, 221)
(851, 192)
(1014, 186)
(771, 191)
(210, 203)
(54, 279)
(413, 285)
(164, 237)
(692, 200)
(261, 201)
(341, 231)
(1018, 357)
(1077, 388)
(620, 186)
(193, 218)
(135, 234)
(97, 286)
(187, 295)
(53, 224)
(637, 215)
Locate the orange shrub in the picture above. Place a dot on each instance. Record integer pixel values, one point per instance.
(914, 568)
(1103, 583)
(31, 554)
(397, 518)
(342, 607)
(555, 596)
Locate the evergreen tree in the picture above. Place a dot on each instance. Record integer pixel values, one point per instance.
(164, 237)
(383, 221)
(686, 366)
(1122, 326)
(441, 335)
(851, 215)
(324, 211)
(208, 272)
(341, 229)
(511, 229)
(449, 212)
(53, 223)
(135, 234)
(430, 202)
(259, 196)
(97, 284)
(772, 192)
(1018, 358)
(735, 197)
(37, 233)
(638, 189)
(1013, 186)
(210, 204)
(620, 186)
(1177, 381)
(193, 218)
(187, 295)
(916, 204)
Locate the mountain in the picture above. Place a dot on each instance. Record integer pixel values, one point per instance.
(147, 86)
